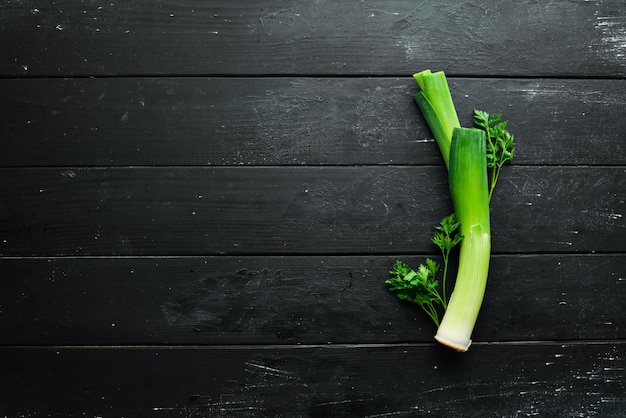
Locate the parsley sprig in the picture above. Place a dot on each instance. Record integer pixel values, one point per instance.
(446, 238)
(500, 144)
(417, 286)
(420, 286)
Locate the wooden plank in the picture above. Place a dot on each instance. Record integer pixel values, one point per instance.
(296, 210)
(200, 211)
(215, 121)
(294, 300)
(490, 380)
(561, 38)
(278, 121)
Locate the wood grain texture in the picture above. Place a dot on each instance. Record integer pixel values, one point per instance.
(293, 300)
(296, 210)
(294, 121)
(508, 380)
(200, 202)
(486, 37)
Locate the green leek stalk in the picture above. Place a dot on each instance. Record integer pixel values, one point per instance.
(435, 103)
(467, 177)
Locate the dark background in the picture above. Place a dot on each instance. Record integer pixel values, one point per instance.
(200, 202)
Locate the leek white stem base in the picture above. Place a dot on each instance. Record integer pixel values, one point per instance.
(461, 346)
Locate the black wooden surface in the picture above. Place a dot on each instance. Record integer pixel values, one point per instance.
(200, 201)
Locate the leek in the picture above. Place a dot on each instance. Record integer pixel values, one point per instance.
(464, 153)
(474, 158)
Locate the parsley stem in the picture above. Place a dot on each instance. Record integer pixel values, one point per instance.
(443, 280)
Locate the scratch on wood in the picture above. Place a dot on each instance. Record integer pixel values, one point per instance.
(268, 370)
(343, 401)
(613, 30)
(392, 414)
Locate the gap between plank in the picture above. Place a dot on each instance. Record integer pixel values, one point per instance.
(307, 346)
(450, 75)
